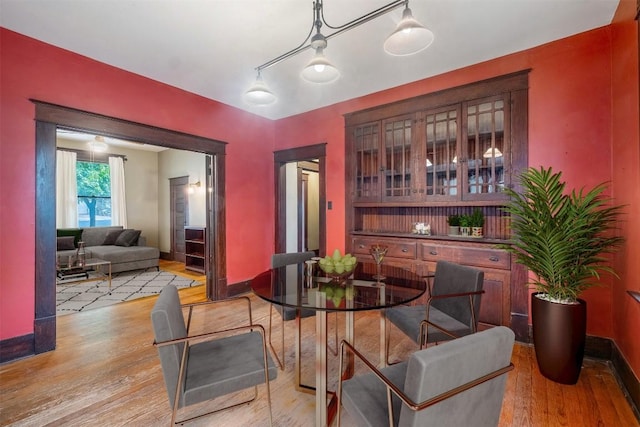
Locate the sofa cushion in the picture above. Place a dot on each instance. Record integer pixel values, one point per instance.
(128, 237)
(75, 232)
(119, 254)
(65, 243)
(112, 236)
(95, 236)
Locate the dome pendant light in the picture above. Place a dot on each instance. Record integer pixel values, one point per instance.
(259, 94)
(319, 69)
(409, 36)
(97, 144)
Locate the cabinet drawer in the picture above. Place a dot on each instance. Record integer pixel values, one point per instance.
(479, 257)
(402, 250)
(397, 249)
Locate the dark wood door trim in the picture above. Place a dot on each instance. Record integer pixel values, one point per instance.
(282, 157)
(48, 118)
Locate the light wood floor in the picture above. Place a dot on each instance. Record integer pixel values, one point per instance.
(179, 269)
(105, 372)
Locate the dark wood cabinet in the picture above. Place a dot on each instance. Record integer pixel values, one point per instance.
(425, 158)
(195, 239)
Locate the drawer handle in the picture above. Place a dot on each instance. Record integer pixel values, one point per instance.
(433, 253)
(405, 250)
(494, 259)
(360, 246)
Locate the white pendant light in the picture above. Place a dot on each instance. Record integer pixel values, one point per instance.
(259, 94)
(409, 36)
(97, 144)
(319, 69)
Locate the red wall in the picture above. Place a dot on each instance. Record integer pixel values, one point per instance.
(578, 116)
(34, 70)
(626, 185)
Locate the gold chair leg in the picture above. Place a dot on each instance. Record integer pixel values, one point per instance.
(273, 350)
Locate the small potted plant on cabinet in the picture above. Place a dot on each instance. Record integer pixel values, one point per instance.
(465, 225)
(454, 225)
(561, 239)
(477, 223)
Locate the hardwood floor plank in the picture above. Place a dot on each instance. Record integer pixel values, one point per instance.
(105, 371)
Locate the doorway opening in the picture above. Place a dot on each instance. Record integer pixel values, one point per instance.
(300, 199)
(50, 118)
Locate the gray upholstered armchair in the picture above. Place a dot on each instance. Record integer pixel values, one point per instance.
(458, 383)
(451, 311)
(205, 366)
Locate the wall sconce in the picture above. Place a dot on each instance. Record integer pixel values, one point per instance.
(192, 187)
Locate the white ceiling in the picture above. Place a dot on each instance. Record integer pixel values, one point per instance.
(211, 47)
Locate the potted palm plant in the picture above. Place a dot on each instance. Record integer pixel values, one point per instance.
(561, 238)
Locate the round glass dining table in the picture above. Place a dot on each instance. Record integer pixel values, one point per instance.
(305, 287)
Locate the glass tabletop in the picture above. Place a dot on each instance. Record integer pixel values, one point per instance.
(290, 286)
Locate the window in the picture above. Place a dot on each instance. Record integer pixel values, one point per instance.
(94, 194)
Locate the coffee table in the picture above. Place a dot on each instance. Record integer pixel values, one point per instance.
(80, 274)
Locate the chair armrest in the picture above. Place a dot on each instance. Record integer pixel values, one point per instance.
(459, 294)
(211, 335)
(416, 406)
(191, 306)
(425, 323)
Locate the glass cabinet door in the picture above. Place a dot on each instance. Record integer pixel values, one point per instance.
(486, 147)
(366, 143)
(398, 161)
(441, 153)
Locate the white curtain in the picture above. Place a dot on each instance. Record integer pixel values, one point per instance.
(118, 199)
(66, 190)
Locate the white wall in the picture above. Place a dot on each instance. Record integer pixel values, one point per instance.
(313, 210)
(292, 206)
(175, 164)
(141, 187)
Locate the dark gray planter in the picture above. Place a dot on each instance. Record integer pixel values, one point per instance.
(559, 334)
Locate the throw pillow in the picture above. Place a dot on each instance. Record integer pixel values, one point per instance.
(112, 236)
(75, 232)
(65, 243)
(128, 237)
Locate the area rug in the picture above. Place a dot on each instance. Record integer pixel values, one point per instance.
(125, 286)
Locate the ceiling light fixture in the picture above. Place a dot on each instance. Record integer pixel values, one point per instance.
(408, 38)
(97, 144)
(259, 93)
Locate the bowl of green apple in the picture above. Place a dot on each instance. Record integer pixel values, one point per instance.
(337, 266)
